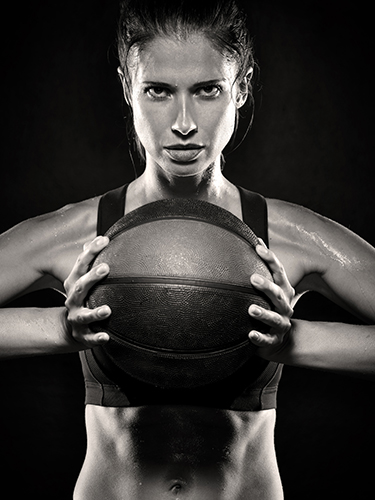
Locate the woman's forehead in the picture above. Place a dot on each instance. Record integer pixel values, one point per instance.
(168, 59)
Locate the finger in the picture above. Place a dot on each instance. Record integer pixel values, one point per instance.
(90, 339)
(274, 292)
(264, 339)
(85, 316)
(90, 251)
(280, 324)
(82, 264)
(261, 242)
(278, 271)
(82, 286)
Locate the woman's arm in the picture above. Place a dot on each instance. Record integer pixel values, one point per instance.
(36, 254)
(32, 331)
(329, 346)
(320, 255)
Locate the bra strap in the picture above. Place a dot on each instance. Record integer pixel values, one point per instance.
(254, 212)
(111, 208)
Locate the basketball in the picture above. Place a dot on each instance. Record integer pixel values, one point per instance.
(179, 290)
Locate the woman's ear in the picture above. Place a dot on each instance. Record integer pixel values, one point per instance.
(125, 86)
(243, 89)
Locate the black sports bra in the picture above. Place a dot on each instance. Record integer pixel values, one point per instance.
(252, 387)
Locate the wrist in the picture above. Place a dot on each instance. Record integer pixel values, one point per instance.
(68, 343)
(280, 351)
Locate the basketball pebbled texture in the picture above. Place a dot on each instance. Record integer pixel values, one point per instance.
(179, 289)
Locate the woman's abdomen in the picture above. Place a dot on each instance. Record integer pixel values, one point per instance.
(163, 453)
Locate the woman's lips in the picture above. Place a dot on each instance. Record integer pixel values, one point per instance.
(184, 154)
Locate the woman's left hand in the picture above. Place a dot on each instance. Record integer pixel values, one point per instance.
(281, 294)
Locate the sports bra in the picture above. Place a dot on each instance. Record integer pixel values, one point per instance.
(252, 387)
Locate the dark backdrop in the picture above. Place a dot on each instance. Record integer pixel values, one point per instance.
(311, 143)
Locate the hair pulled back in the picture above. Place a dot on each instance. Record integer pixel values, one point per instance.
(223, 23)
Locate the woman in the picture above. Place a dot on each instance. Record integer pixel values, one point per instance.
(185, 86)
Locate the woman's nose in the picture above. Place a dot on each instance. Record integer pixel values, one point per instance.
(185, 122)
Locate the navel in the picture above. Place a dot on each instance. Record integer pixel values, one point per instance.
(177, 488)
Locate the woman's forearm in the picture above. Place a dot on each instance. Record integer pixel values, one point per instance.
(35, 331)
(337, 347)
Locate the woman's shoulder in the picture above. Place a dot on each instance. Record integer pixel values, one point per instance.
(289, 213)
(309, 243)
(50, 243)
(72, 219)
(301, 224)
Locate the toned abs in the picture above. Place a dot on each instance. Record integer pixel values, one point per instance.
(179, 453)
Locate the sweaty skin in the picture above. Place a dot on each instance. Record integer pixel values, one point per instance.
(185, 452)
(194, 453)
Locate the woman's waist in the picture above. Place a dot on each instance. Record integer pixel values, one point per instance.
(179, 433)
(219, 454)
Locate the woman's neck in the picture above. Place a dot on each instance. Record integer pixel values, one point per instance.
(155, 184)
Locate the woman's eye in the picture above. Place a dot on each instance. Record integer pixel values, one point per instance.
(157, 92)
(209, 91)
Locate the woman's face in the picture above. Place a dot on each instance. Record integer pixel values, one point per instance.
(184, 104)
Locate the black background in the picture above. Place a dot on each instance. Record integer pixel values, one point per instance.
(63, 140)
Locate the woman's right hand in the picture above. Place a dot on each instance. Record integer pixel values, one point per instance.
(77, 286)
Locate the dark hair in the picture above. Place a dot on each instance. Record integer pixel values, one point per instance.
(223, 22)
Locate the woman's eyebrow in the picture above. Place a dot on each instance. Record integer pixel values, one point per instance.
(207, 83)
(204, 83)
(157, 84)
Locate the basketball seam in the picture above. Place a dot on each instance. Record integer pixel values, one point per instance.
(178, 353)
(169, 280)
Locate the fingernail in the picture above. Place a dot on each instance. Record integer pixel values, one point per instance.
(258, 280)
(254, 335)
(103, 311)
(100, 240)
(102, 269)
(255, 311)
(262, 250)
